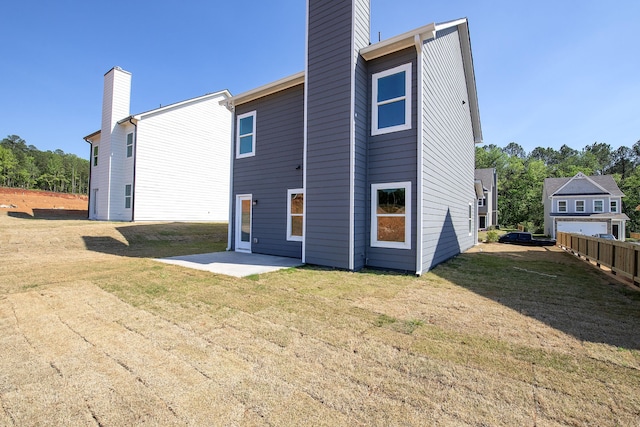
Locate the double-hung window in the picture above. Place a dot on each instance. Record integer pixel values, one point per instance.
(246, 135)
(130, 144)
(391, 100)
(481, 202)
(95, 156)
(613, 206)
(562, 206)
(391, 215)
(579, 205)
(127, 196)
(598, 206)
(295, 214)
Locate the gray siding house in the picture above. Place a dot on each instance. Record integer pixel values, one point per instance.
(488, 200)
(366, 158)
(583, 204)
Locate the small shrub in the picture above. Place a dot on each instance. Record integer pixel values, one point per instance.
(492, 236)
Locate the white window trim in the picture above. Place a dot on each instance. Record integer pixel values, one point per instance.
(129, 145)
(96, 150)
(253, 133)
(290, 215)
(566, 206)
(129, 197)
(470, 219)
(594, 206)
(407, 214)
(575, 206)
(611, 204)
(481, 202)
(374, 103)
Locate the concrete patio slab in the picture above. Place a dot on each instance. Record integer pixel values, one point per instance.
(235, 264)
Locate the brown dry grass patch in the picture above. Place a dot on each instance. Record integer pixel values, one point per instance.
(94, 332)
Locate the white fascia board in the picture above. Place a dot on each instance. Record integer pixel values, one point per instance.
(470, 76)
(224, 93)
(268, 89)
(399, 42)
(89, 137)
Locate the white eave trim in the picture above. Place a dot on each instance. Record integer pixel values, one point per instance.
(224, 93)
(399, 42)
(268, 89)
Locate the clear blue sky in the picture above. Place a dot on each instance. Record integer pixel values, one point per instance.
(548, 73)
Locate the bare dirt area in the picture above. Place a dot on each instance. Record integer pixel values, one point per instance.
(94, 332)
(42, 204)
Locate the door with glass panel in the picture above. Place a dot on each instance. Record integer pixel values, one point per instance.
(243, 223)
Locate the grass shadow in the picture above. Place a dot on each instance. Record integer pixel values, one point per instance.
(52, 214)
(555, 288)
(161, 240)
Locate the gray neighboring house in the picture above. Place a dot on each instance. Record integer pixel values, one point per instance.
(366, 158)
(583, 204)
(488, 201)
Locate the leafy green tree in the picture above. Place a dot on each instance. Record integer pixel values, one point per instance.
(25, 166)
(8, 165)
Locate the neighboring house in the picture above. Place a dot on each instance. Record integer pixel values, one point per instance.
(167, 164)
(366, 158)
(488, 202)
(583, 204)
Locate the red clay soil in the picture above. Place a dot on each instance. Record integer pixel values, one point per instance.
(35, 203)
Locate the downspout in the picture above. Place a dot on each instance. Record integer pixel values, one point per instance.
(231, 224)
(135, 159)
(90, 172)
(420, 125)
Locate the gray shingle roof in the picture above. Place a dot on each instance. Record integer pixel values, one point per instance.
(485, 176)
(553, 185)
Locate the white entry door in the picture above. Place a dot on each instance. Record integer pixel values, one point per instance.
(243, 223)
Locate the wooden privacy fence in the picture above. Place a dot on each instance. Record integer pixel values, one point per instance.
(622, 258)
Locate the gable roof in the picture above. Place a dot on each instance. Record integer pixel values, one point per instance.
(135, 117)
(485, 175)
(580, 184)
(411, 38)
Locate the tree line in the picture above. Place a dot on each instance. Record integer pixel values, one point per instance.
(24, 166)
(521, 176)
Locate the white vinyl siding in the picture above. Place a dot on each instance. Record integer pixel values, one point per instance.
(391, 100)
(246, 135)
(189, 181)
(295, 214)
(391, 215)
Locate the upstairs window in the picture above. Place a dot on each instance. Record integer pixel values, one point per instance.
(391, 100)
(295, 214)
(391, 215)
(598, 206)
(613, 206)
(481, 202)
(246, 135)
(129, 144)
(95, 156)
(562, 206)
(579, 205)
